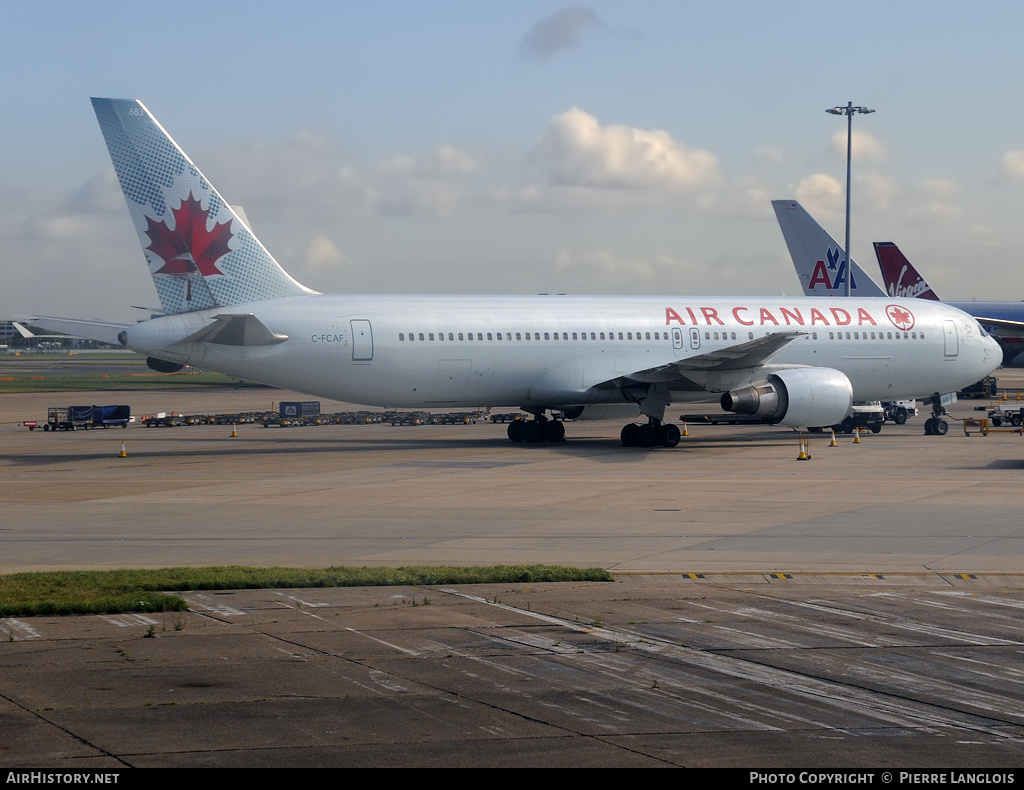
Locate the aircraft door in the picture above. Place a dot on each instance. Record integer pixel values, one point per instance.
(952, 340)
(362, 340)
(694, 338)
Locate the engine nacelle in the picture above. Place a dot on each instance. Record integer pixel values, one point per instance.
(162, 366)
(795, 397)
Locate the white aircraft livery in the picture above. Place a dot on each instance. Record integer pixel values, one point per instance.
(230, 307)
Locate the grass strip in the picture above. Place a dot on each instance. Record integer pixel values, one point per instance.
(110, 592)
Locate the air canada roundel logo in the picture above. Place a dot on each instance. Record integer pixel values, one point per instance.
(901, 318)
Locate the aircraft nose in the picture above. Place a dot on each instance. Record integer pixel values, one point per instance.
(992, 355)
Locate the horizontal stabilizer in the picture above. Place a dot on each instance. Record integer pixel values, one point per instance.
(102, 331)
(236, 330)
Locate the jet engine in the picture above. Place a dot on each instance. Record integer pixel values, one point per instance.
(162, 366)
(795, 397)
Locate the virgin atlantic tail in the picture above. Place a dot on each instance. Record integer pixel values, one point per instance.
(899, 275)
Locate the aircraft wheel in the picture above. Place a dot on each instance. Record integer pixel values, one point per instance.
(941, 428)
(516, 431)
(649, 436)
(929, 426)
(533, 431)
(900, 417)
(630, 435)
(554, 431)
(670, 435)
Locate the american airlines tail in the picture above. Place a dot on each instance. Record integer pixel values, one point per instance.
(200, 253)
(819, 261)
(899, 275)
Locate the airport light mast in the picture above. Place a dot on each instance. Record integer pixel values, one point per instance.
(848, 111)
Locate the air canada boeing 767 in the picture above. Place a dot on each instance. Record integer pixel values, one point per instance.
(230, 307)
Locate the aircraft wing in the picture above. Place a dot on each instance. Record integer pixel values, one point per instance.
(693, 373)
(751, 354)
(103, 331)
(1001, 323)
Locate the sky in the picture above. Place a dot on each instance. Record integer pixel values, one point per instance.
(454, 146)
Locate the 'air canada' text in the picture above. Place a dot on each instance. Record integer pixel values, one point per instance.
(763, 316)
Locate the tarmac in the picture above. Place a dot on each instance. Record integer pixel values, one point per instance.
(862, 608)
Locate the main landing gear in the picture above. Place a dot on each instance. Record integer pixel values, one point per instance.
(654, 434)
(935, 425)
(539, 429)
(652, 400)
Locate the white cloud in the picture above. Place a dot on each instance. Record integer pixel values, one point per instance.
(821, 195)
(939, 188)
(322, 253)
(769, 154)
(577, 151)
(1013, 163)
(422, 198)
(446, 161)
(304, 179)
(298, 178)
(754, 201)
(864, 145)
(874, 191)
(934, 202)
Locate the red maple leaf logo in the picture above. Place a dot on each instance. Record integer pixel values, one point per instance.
(190, 247)
(900, 317)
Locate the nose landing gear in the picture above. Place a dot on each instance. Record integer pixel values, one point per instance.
(936, 425)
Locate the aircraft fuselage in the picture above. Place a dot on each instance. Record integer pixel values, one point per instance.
(422, 351)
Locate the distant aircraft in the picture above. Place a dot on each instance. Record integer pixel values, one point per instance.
(819, 260)
(1005, 320)
(230, 307)
(820, 264)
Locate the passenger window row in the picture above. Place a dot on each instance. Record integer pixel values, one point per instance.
(524, 336)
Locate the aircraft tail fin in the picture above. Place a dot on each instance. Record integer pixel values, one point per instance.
(200, 253)
(819, 261)
(899, 275)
